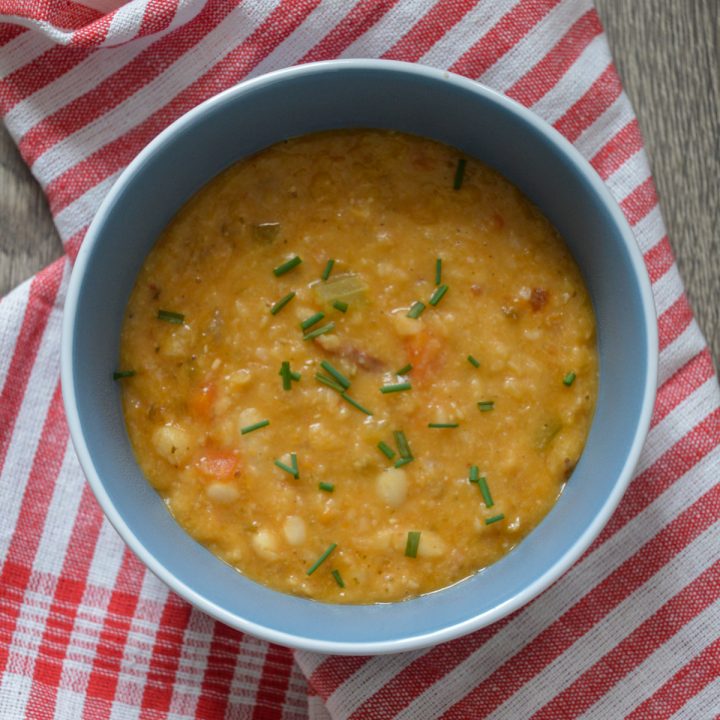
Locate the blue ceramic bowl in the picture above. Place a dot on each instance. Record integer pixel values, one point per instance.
(373, 94)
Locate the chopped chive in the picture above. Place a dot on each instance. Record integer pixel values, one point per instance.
(473, 361)
(293, 460)
(443, 425)
(325, 380)
(397, 387)
(342, 380)
(411, 546)
(327, 487)
(403, 461)
(386, 450)
(285, 375)
(120, 374)
(171, 317)
(437, 296)
(287, 468)
(288, 375)
(494, 519)
(309, 322)
(459, 174)
(416, 310)
(287, 266)
(338, 578)
(402, 444)
(321, 559)
(569, 379)
(328, 269)
(438, 271)
(404, 370)
(255, 426)
(474, 475)
(485, 490)
(280, 304)
(320, 331)
(341, 306)
(486, 405)
(355, 403)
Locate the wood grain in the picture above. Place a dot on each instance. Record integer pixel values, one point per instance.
(668, 54)
(28, 240)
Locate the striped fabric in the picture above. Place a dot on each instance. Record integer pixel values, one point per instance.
(632, 630)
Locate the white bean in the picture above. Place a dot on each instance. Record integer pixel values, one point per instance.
(249, 416)
(406, 326)
(294, 529)
(431, 544)
(223, 493)
(172, 442)
(265, 544)
(391, 487)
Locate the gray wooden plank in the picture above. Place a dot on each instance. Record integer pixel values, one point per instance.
(28, 240)
(668, 55)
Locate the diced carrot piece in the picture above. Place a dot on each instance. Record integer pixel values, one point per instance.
(201, 400)
(217, 464)
(426, 354)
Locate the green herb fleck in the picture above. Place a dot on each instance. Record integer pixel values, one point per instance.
(569, 379)
(171, 317)
(339, 377)
(485, 490)
(325, 380)
(287, 266)
(338, 578)
(404, 370)
(341, 306)
(486, 405)
(494, 519)
(326, 486)
(416, 310)
(280, 304)
(412, 544)
(403, 461)
(355, 403)
(402, 444)
(474, 475)
(289, 470)
(438, 271)
(321, 559)
(288, 375)
(319, 331)
(473, 361)
(310, 321)
(285, 375)
(386, 450)
(438, 295)
(443, 425)
(397, 387)
(328, 269)
(255, 426)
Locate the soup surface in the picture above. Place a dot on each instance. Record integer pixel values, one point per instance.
(358, 367)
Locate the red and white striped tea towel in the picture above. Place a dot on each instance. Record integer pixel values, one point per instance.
(633, 629)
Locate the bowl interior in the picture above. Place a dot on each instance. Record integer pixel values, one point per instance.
(340, 95)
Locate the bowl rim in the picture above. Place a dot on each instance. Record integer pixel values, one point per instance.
(415, 641)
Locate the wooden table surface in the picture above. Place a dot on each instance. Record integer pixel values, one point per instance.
(668, 54)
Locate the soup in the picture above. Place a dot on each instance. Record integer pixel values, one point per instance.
(358, 366)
